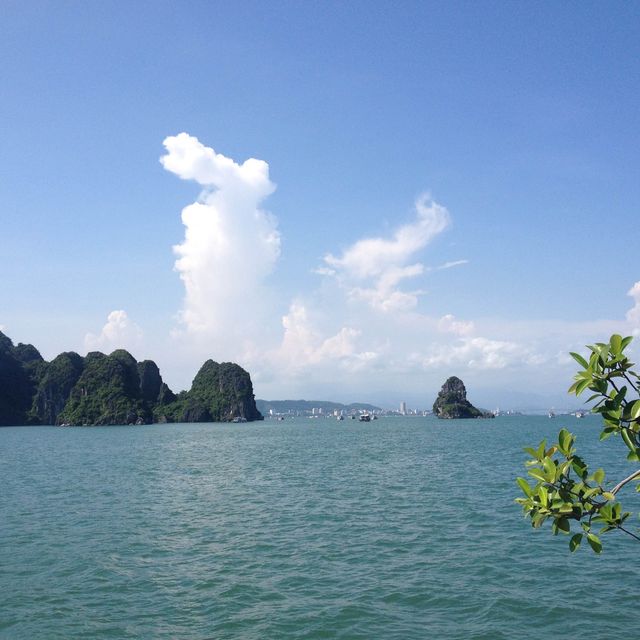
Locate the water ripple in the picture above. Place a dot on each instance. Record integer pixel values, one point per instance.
(398, 529)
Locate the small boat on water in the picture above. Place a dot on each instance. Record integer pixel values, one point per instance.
(552, 414)
(365, 417)
(238, 419)
(339, 418)
(580, 414)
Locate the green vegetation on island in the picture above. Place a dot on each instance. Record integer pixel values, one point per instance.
(220, 392)
(102, 389)
(452, 402)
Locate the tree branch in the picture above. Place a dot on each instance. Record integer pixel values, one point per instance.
(633, 476)
(633, 535)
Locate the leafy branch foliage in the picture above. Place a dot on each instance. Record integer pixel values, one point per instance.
(565, 492)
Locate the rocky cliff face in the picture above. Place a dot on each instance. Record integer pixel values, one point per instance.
(21, 367)
(60, 377)
(219, 393)
(114, 389)
(452, 402)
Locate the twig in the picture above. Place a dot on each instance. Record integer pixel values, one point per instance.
(633, 476)
(633, 535)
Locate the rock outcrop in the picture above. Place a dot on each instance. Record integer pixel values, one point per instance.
(221, 392)
(452, 402)
(60, 377)
(104, 389)
(21, 367)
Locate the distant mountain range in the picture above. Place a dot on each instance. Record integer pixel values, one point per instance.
(307, 406)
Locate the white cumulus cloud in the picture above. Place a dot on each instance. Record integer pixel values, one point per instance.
(230, 244)
(304, 346)
(372, 269)
(479, 353)
(633, 315)
(119, 332)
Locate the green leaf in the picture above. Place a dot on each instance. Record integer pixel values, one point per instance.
(565, 440)
(575, 541)
(537, 520)
(537, 474)
(579, 466)
(544, 495)
(581, 386)
(598, 476)
(607, 495)
(525, 486)
(594, 542)
(563, 524)
(625, 342)
(616, 344)
(579, 359)
(628, 440)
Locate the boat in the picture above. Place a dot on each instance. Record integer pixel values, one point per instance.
(580, 414)
(339, 418)
(365, 417)
(238, 419)
(552, 414)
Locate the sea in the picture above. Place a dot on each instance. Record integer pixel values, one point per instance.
(399, 528)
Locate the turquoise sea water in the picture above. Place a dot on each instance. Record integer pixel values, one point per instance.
(396, 529)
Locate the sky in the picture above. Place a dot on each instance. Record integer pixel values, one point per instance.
(352, 200)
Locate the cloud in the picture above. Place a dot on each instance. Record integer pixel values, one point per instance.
(303, 346)
(449, 324)
(449, 265)
(230, 245)
(373, 268)
(633, 315)
(479, 353)
(118, 333)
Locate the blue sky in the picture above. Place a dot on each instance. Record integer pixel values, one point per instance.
(519, 121)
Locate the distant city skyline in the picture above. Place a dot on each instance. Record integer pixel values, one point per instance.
(353, 201)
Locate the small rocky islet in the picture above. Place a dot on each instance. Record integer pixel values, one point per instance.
(452, 403)
(114, 389)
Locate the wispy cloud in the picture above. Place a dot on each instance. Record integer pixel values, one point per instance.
(449, 265)
(450, 324)
(372, 269)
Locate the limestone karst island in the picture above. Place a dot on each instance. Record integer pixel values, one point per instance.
(452, 402)
(114, 389)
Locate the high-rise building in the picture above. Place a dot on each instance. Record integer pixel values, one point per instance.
(403, 408)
